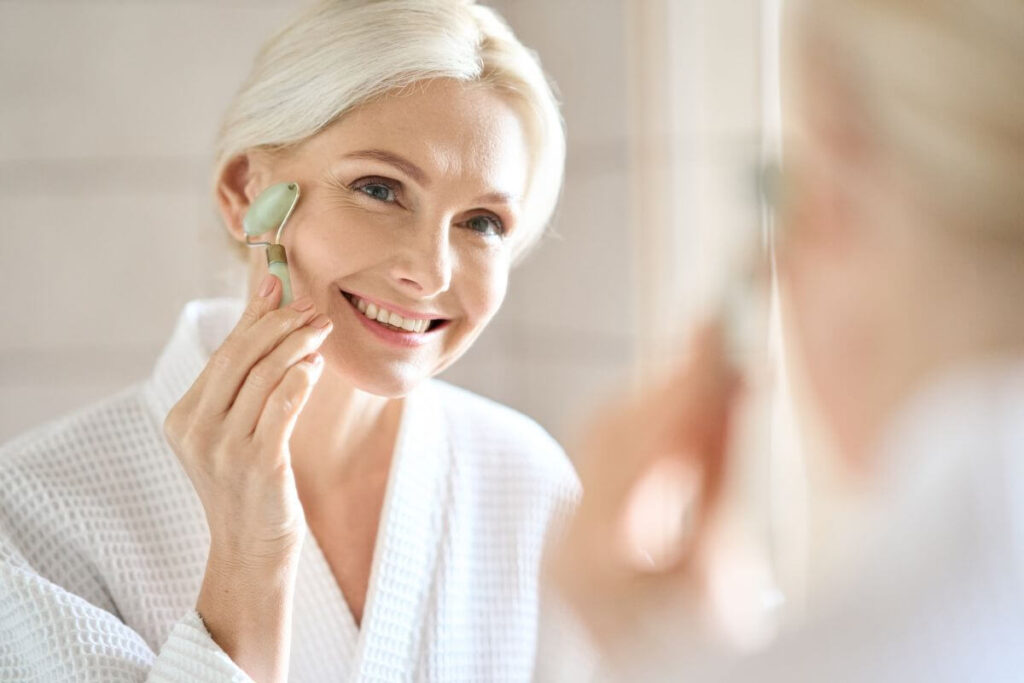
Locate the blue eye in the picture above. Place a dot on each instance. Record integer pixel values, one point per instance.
(378, 191)
(486, 225)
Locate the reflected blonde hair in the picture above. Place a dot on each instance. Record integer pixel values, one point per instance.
(938, 84)
(341, 53)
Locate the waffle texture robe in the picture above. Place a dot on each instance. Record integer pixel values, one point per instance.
(103, 544)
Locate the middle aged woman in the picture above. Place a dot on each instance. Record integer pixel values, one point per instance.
(343, 514)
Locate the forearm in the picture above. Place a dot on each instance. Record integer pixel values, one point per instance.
(248, 612)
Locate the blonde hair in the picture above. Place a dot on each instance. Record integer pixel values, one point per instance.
(939, 84)
(341, 53)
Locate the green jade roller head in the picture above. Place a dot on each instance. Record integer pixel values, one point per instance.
(270, 211)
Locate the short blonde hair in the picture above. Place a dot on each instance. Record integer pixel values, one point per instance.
(341, 53)
(939, 84)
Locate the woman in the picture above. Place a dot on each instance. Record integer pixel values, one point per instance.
(319, 501)
(901, 265)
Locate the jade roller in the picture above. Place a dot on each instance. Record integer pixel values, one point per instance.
(270, 211)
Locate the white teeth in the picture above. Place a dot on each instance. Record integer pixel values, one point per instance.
(374, 312)
(382, 315)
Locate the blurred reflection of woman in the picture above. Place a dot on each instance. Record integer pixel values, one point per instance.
(901, 262)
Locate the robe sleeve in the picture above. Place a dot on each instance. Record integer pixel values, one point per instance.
(50, 634)
(564, 649)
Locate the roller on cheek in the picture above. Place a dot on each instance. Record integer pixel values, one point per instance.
(269, 212)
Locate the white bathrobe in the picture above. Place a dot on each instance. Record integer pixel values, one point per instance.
(103, 544)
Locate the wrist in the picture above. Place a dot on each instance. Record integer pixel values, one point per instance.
(247, 608)
(241, 553)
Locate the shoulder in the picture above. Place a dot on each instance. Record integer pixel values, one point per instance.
(76, 474)
(497, 440)
(80, 449)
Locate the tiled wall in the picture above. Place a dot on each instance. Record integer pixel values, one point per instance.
(107, 112)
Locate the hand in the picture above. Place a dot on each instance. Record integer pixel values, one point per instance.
(619, 559)
(231, 431)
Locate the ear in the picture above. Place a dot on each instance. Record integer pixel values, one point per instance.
(235, 190)
(825, 213)
(818, 215)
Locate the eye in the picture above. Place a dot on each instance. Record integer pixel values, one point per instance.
(378, 191)
(486, 224)
(377, 188)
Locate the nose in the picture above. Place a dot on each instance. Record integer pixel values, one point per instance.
(423, 267)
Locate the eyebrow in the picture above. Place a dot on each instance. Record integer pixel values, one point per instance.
(497, 198)
(417, 174)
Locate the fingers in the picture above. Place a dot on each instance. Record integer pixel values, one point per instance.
(270, 370)
(691, 406)
(267, 297)
(703, 393)
(265, 300)
(677, 426)
(261, 329)
(282, 408)
(654, 519)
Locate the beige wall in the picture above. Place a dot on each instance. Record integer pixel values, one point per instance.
(107, 111)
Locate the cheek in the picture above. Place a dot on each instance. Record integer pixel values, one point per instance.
(817, 301)
(832, 325)
(485, 284)
(803, 313)
(330, 245)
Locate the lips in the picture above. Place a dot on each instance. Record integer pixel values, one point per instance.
(384, 316)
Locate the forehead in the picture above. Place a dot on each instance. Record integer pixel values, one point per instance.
(454, 131)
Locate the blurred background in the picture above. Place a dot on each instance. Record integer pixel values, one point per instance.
(107, 114)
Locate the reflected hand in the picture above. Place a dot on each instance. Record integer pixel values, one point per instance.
(622, 556)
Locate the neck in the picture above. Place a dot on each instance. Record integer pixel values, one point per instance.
(342, 433)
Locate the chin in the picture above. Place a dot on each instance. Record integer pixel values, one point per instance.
(393, 380)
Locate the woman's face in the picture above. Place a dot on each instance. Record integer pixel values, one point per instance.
(848, 265)
(409, 211)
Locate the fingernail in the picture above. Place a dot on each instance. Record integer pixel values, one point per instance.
(321, 322)
(303, 304)
(267, 286)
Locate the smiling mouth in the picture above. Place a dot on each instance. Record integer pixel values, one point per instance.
(393, 321)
